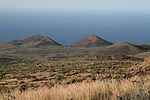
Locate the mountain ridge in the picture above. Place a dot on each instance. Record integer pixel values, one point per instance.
(91, 41)
(32, 41)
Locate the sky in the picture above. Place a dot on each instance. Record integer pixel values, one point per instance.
(76, 5)
(67, 21)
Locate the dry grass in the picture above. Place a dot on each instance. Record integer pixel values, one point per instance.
(79, 78)
(98, 90)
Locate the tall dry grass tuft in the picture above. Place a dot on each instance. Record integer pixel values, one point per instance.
(108, 90)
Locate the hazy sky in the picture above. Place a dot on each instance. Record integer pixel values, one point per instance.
(76, 5)
(115, 20)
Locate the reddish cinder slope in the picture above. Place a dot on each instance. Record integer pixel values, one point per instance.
(92, 41)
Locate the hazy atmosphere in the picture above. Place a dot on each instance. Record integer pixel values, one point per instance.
(68, 21)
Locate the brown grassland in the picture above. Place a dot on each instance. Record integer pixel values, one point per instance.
(82, 77)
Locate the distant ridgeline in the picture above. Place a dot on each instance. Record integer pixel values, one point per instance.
(89, 41)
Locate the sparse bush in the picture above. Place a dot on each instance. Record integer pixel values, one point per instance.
(23, 87)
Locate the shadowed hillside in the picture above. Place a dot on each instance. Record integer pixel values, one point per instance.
(123, 48)
(38, 40)
(146, 46)
(33, 41)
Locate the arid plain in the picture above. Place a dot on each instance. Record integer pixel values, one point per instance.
(39, 68)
